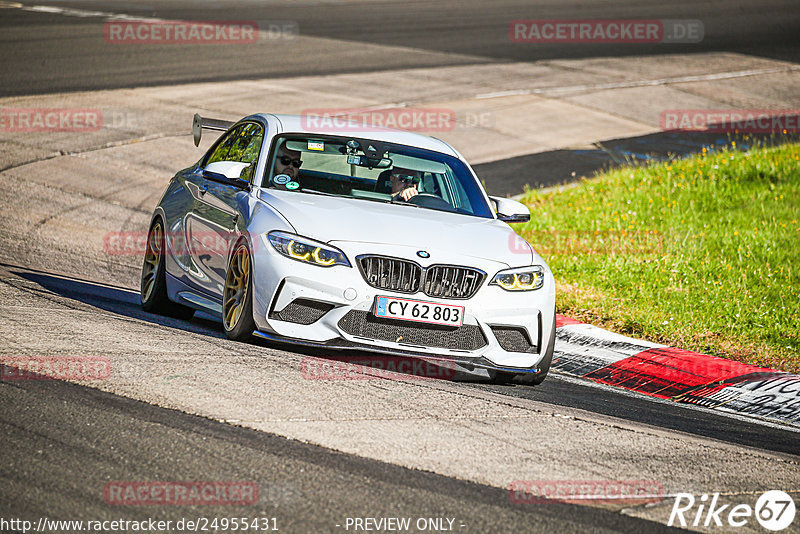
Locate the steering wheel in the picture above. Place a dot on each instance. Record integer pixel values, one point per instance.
(427, 200)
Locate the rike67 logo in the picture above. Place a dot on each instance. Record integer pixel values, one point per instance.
(774, 510)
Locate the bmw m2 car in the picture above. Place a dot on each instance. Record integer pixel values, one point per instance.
(351, 238)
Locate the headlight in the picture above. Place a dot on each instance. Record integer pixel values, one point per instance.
(307, 250)
(520, 279)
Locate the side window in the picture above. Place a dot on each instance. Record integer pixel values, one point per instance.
(246, 148)
(242, 144)
(220, 153)
(460, 197)
(246, 145)
(430, 184)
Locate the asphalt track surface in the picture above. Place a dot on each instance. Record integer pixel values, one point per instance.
(509, 176)
(556, 390)
(63, 442)
(45, 53)
(50, 53)
(49, 465)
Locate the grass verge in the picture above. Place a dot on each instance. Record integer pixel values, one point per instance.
(700, 253)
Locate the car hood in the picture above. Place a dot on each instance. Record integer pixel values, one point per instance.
(331, 219)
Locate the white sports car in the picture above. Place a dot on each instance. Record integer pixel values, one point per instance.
(354, 238)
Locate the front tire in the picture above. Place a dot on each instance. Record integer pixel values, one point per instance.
(237, 297)
(544, 366)
(153, 289)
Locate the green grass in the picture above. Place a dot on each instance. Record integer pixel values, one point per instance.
(700, 253)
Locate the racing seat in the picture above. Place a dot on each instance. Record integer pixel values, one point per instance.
(383, 184)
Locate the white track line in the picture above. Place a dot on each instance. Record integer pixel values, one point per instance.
(560, 91)
(752, 419)
(548, 91)
(80, 13)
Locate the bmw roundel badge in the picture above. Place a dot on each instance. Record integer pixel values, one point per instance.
(423, 254)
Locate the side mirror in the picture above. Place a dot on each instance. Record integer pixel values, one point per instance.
(511, 211)
(229, 172)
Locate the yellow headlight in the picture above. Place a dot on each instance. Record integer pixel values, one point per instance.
(305, 250)
(319, 260)
(507, 281)
(292, 253)
(525, 281)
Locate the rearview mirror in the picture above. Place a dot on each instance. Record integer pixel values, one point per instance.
(372, 163)
(511, 211)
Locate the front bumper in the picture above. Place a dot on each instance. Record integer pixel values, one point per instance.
(469, 367)
(332, 307)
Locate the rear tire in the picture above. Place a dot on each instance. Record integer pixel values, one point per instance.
(153, 289)
(237, 296)
(528, 379)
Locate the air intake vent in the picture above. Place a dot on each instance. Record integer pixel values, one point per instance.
(405, 276)
(302, 311)
(392, 274)
(363, 324)
(452, 282)
(513, 339)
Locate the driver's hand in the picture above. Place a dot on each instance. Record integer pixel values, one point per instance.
(409, 192)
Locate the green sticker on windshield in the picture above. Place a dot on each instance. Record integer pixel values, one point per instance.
(292, 185)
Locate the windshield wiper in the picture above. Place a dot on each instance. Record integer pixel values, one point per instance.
(403, 203)
(323, 193)
(315, 192)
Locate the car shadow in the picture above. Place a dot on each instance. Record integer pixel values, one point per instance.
(319, 363)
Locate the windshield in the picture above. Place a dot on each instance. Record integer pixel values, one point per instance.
(377, 171)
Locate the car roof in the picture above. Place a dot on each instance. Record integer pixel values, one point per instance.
(301, 123)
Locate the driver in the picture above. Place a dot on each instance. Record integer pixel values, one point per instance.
(288, 161)
(403, 183)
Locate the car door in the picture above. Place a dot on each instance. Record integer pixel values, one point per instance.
(216, 211)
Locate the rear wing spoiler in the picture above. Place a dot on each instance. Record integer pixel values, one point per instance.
(198, 123)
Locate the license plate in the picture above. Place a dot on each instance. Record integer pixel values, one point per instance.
(419, 311)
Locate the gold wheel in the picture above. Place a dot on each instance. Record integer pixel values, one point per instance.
(236, 284)
(152, 257)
